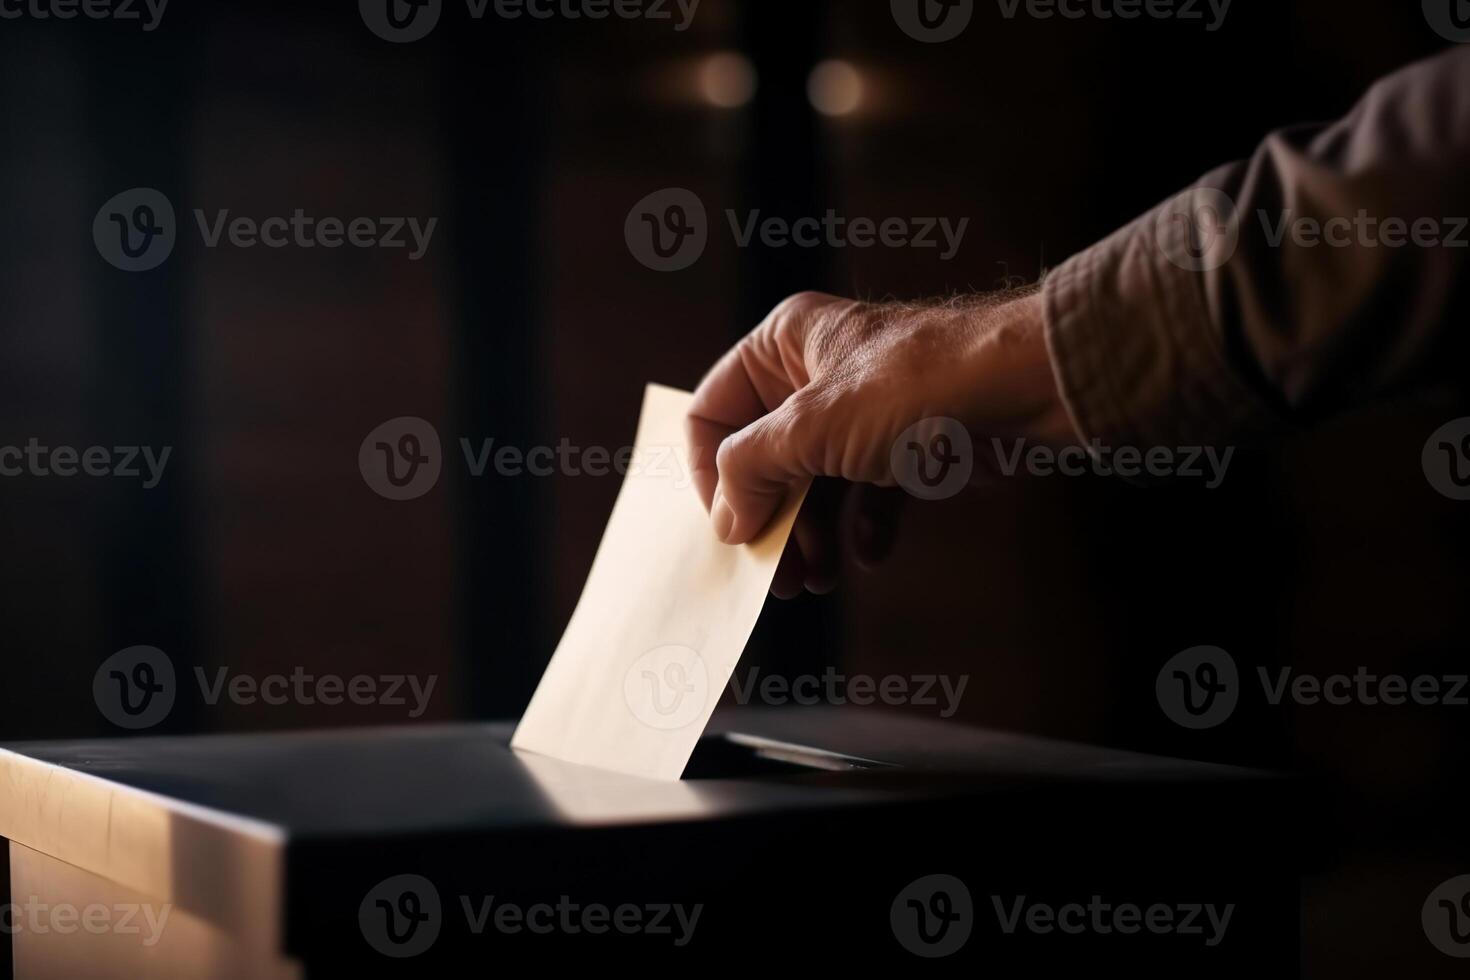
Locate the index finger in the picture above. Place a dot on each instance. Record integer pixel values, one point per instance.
(738, 390)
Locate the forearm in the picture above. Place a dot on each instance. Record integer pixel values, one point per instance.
(1341, 275)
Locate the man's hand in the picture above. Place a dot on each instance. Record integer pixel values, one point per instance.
(824, 386)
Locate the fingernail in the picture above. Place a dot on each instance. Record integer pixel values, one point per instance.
(724, 519)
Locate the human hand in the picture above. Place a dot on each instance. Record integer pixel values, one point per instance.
(824, 386)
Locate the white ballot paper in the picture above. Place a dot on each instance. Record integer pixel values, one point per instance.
(663, 618)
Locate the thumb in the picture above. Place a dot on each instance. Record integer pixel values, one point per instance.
(758, 465)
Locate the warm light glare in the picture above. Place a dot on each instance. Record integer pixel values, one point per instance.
(835, 88)
(727, 80)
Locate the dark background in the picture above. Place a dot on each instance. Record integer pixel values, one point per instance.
(529, 321)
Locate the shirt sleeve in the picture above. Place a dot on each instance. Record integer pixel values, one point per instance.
(1330, 268)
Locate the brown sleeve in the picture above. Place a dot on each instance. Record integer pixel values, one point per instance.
(1215, 317)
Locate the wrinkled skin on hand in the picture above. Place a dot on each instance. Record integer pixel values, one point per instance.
(823, 387)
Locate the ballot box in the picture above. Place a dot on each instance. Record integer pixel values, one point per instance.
(818, 838)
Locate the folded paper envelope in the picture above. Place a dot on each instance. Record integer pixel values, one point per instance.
(663, 618)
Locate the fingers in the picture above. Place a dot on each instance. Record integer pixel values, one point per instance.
(704, 442)
(790, 573)
(870, 521)
(816, 535)
(755, 377)
(743, 386)
(837, 519)
(757, 468)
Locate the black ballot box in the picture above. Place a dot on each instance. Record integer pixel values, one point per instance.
(812, 837)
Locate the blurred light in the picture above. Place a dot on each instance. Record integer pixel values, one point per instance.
(727, 80)
(835, 88)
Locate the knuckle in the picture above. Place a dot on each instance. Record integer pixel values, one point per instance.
(788, 315)
(802, 425)
(805, 300)
(804, 408)
(727, 456)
